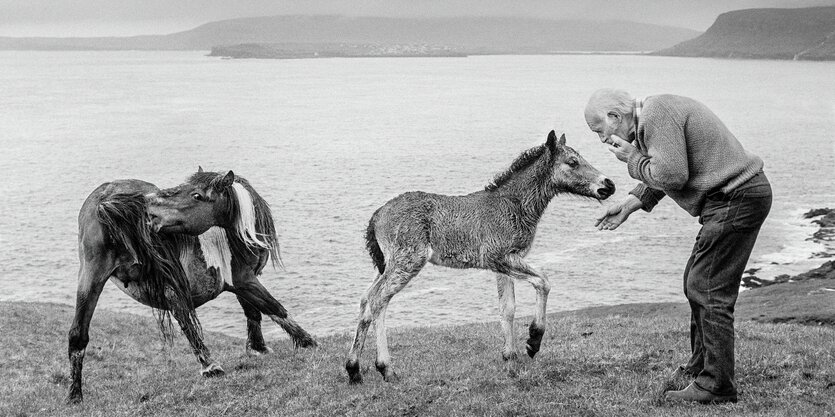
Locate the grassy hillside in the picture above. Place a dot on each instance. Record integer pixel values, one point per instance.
(803, 34)
(464, 34)
(597, 362)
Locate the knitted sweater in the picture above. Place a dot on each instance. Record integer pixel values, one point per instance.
(686, 152)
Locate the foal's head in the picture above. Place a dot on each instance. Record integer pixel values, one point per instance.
(571, 173)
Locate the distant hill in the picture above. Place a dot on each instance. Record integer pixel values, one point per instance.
(801, 34)
(461, 34)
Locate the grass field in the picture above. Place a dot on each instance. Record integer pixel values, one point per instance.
(596, 362)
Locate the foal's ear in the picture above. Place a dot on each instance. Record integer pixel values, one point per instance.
(561, 141)
(228, 179)
(199, 169)
(551, 143)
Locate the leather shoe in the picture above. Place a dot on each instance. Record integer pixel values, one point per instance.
(695, 394)
(678, 380)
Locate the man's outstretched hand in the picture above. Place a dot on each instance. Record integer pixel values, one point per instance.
(614, 215)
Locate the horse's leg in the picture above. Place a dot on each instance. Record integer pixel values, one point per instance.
(507, 310)
(517, 268)
(201, 352)
(255, 344)
(92, 276)
(301, 338)
(248, 287)
(396, 282)
(373, 293)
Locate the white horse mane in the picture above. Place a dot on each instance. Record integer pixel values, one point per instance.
(216, 252)
(245, 223)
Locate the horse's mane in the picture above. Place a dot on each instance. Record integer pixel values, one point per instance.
(250, 215)
(166, 286)
(526, 159)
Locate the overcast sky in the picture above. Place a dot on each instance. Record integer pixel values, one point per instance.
(133, 17)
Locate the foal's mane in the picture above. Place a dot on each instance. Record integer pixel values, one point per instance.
(265, 237)
(526, 159)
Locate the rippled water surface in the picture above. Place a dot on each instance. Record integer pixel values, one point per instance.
(327, 141)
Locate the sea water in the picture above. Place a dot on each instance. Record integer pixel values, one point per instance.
(327, 141)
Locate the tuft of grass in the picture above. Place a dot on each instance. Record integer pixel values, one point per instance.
(612, 361)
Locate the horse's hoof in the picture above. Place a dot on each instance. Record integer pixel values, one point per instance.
(75, 398)
(306, 342)
(512, 356)
(354, 376)
(258, 352)
(212, 371)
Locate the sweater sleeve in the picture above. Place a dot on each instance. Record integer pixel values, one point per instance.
(649, 197)
(664, 166)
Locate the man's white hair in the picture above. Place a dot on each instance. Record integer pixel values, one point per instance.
(609, 100)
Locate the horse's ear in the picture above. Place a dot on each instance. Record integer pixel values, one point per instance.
(228, 179)
(561, 142)
(199, 169)
(551, 143)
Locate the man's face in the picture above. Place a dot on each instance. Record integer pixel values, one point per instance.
(606, 125)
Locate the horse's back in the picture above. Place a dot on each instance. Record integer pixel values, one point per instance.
(107, 190)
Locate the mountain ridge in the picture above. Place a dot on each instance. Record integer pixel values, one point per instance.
(469, 34)
(797, 34)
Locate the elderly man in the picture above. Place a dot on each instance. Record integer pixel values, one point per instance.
(677, 147)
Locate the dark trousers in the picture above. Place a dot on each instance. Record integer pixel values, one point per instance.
(730, 224)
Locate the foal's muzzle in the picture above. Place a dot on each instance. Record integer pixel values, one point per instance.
(607, 190)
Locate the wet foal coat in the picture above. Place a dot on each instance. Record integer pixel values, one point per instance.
(491, 229)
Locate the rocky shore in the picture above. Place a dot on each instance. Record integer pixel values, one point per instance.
(825, 218)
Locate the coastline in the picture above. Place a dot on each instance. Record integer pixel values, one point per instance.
(606, 361)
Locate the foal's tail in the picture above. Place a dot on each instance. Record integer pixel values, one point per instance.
(374, 247)
(165, 284)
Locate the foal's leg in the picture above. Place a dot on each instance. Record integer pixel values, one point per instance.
(396, 282)
(365, 317)
(91, 279)
(507, 309)
(517, 268)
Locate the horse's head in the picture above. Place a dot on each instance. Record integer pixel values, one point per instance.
(572, 174)
(194, 206)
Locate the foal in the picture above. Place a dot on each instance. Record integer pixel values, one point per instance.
(491, 229)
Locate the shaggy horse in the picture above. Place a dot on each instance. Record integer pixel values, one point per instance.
(491, 229)
(175, 250)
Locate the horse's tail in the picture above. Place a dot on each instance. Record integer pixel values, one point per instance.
(165, 284)
(374, 247)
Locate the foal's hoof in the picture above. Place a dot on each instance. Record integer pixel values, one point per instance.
(212, 370)
(258, 352)
(354, 376)
(534, 341)
(387, 373)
